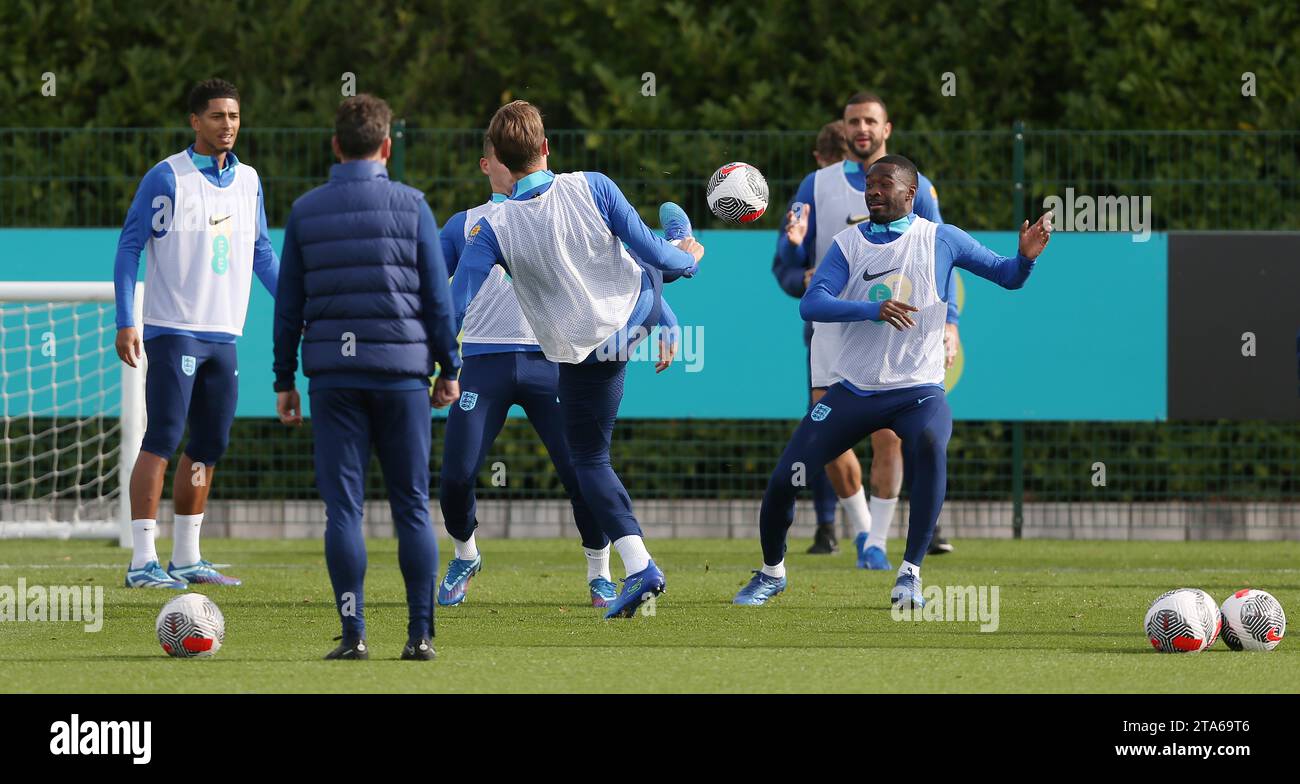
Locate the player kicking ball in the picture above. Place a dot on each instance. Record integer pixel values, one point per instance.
(887, 282)
(199, 214)
(587, 300)
(504, 366)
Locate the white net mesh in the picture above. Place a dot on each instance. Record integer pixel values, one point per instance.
(60, 409)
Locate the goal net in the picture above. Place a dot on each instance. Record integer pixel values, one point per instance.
(71, 413)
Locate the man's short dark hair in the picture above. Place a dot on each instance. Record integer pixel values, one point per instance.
(361, 125)
(900, 164)
(209, 89)
(867, 96)
(833, 140)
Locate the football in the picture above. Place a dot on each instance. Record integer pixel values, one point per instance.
(1252, 621)
(1185, 620)
(191, 626)
(737, 193)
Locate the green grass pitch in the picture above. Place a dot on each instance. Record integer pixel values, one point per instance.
(1070, 621)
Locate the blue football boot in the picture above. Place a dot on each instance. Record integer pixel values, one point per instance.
(151, 575)
(907, 591)
(871, 557)
(602, 592)
(452, 589)
(675, 224)
(202, 573)
(637, 588)
(761, 588)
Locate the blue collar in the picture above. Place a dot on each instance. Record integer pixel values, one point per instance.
(898, 227)
(497, 198)
(852, 167)
(534, 180)
(202, 161)
(359, 170)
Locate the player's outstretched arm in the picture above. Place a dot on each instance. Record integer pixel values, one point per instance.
(1009, 272)
(822, 300)
(645, 244)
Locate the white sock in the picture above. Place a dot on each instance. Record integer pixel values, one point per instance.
(777, 571)
(185, 539)
(142, 535)
(597, 563)
(855, 506)
(467, 550)
(632, 550)
(882, 516)
(909, 567)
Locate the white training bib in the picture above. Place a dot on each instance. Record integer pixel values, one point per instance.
(494, 316)
(873, 354)
(575, 283)
(199, 273)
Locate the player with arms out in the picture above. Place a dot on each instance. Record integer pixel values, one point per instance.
(887, 282)
(199, 215)
(827, 201)
(504, 366)
(588, 302)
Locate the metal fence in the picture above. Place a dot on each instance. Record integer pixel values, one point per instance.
(690, 476)
(1224, 180)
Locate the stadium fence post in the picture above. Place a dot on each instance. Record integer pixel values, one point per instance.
(1018, 171)
(397, 166)
(1017, 478)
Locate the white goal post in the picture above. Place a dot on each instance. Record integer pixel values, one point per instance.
(71, 413)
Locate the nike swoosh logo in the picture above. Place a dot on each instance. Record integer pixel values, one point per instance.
(922, 400)
(854, 220)
(215, 221)
(865, 276)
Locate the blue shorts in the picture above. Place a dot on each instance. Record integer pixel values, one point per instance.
(194, 381)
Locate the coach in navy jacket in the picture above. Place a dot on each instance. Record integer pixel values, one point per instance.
(364, 286)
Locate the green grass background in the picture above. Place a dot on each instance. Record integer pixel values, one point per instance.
(1071, 615)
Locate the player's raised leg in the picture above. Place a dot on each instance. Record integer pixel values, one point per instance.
(473, 423)
(839, 420)
(566, 256)
(539, 381)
